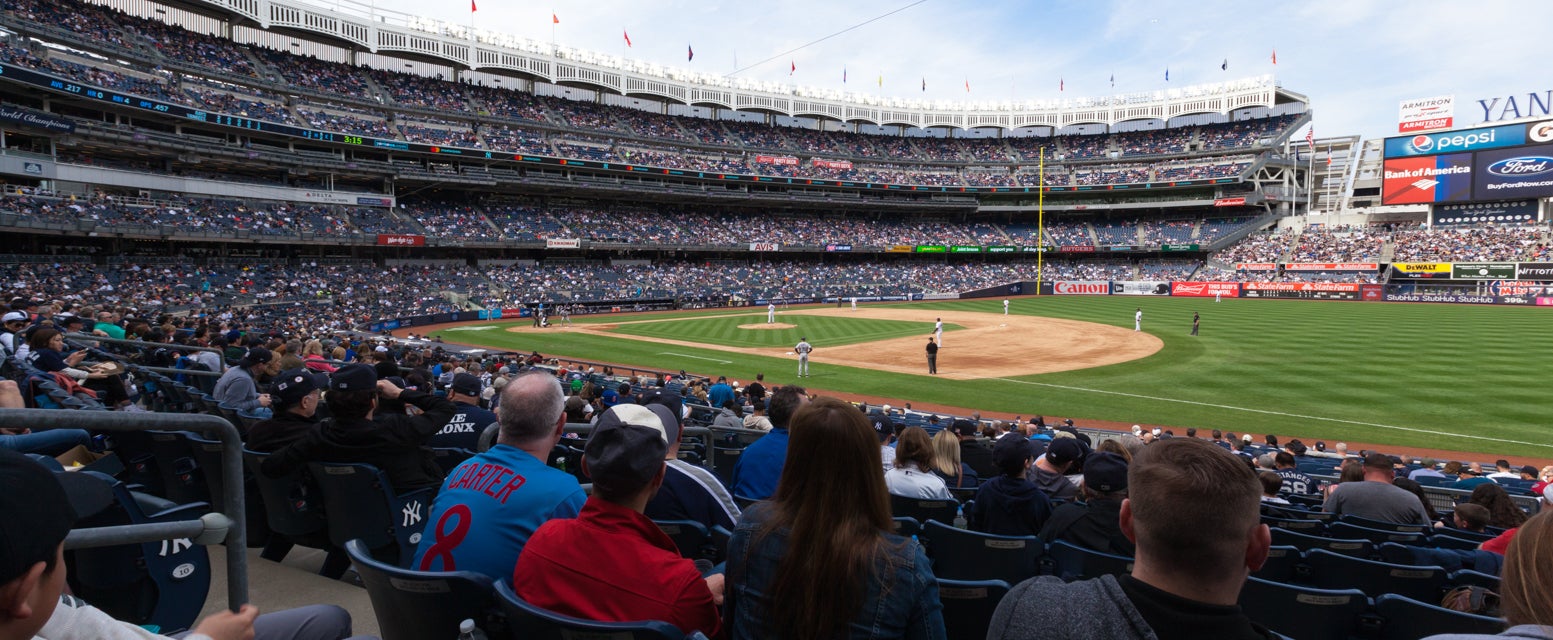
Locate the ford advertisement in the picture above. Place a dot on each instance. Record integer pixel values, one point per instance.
(1522, 172)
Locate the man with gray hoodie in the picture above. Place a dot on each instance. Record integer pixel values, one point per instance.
(1193, 514)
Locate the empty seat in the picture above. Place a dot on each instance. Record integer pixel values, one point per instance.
(1336, 571)
(1342, 529)
(924, 510)
(1408, 619)
(1072, 562)
(969, 555)
(1282, 564)
(411, 605)
(359, 502)
(1303, 613)
(528, 622)
(968, 605)
(1357, 548)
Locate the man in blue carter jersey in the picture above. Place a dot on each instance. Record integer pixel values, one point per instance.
(493, 502)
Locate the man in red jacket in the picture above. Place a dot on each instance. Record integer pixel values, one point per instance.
(631, 570)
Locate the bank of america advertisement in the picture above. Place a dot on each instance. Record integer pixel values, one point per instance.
(1428, 179)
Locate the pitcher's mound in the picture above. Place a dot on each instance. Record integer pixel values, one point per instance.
(761, 326)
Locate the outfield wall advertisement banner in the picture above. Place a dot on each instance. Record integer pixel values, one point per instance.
(1141, 288)
(1205, 289)
(1081, 288)
(1452, 298)
(1483, 270)
(1534, 271)
(1303, 290)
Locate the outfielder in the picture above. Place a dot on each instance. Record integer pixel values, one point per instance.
(771, 313)
(854, 303)
(1137, 320)
(1005, 306)
(938, 331)
(803, 350)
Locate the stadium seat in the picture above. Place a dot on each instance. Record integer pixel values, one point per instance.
(207, 454)
(448, 458)
(359, 502)
(1452, 541)
(1072, 562)
(1336, 571)
(959, 554)
(1404, 618)
(411, 605)
(1358, 548)
(182, 479)
(161, 583)
(1282, 564)
(723, 460)
(907, 527)
(1470, 578)
(1303, 613)
(718, 537)
(690, 536)
(924, 510)
(1309, 527)
(1351, 531)
(293, 509)
(1383, 525)
(968, 605)
(528, 622)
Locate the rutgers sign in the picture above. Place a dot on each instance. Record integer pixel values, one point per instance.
(1086, 288)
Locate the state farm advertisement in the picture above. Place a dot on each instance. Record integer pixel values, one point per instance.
(1082, 288)
(1426, 114)
(1303, 290)
(1205, 289)
(1331, 266)
(400, 240)
(1256, 266)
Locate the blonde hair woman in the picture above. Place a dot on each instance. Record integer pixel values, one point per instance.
(947, 464)
(313, 357)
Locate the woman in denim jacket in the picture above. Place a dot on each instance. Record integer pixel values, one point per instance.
(849, 577)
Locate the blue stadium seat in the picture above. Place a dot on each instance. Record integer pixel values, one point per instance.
(907, 527)
(448, 458)
(1282, 564)
(1470, 578)
(1305, 526)
(959, 554)
(359, 502)
(294, 513)
(924, 510)
(1352, 531)
(1357, 547)
(1383, 525)
(411, 605)
(528, 622)
(1072, 562)
(1336, 571)
(1404, 618)
(723, 460)
(968, 605)
(690, 536)
(182, 479)
(1452, 541)
(1303, 613)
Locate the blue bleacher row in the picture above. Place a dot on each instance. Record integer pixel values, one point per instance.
(256, 82)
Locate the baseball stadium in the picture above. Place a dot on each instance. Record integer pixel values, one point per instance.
(356, 316)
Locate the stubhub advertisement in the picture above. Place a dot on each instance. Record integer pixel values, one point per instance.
(1428, 179)
(1425, 144)
(1522, 172)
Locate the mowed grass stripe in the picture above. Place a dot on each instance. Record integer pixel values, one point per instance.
(821, 331)
(1455, 369)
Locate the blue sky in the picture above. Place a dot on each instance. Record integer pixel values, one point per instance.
(1355, 59)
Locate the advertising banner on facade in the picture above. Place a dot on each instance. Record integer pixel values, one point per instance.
(1428, 179)
(1229, 202)
(1426, 114)
(964, 249)
(1331, 266)
(1302, 290)
(1140, 288)
(1521, 172)
(1205, 289)
(1534, 271)
(1077, 248)
(838, 247)
(1423, 269)
(899, 248)
(1179, 247)
(1483, 270)
(400, 240)
(564, 243)
(1256, 266)
(931, 248)
(765, 246)
(1081, 288)
(1503, 212)
(1428, 144)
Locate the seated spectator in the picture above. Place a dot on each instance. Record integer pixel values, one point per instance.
(295, 400)
(46, 346)
(394, 443)
(1375, 497)
(502, 496)
(631, 570)
(911, 476)
(1425, 470)
(689, 491)
(1193, 515)
(1502, 511)
(1272, 483)
(1050, 470)
(1467, 517)
(885, 429)
(759, 469)
(1294, 482)
(1095, 522)
(238, 388)
(32, 577)
(819, 559)
(49, 442)
(313, 357)
(1524, 602)
(947, 463)
(973, 451)
(1009, 504)
(1471, 477)
(469, 420)
(757, 418)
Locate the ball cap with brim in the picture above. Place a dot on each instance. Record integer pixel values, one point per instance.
(670, 401)
(37, 512)
(1064, 450)
(965, 427)
(1105, 472)
(1011, 451)
(627, 446)
(257, 355)
(294, 384)
(14, 316)
(353, 377)
(466, 384)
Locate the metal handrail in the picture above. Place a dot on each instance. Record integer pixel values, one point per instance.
(203, 530)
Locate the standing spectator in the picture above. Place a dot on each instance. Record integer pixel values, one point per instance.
(1193, 514)
(819, 559)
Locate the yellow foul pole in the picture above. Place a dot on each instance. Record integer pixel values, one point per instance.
(1040, 221)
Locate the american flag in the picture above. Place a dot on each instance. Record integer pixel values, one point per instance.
(1310, 137)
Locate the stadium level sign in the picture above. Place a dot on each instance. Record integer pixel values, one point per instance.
(931, 248)
(1180, 247)
(1483, 270)
(965, 249)
(1002, 249)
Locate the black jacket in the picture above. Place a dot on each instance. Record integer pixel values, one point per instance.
(1095, 525)
(279, 432)
(978, 455)
(395, 444)
(1009, 507)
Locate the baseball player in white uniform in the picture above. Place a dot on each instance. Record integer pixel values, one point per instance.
(1005, 306)
(854, 303)
(1217, 295)
(803, 350)
(938, 332)
(771, 313)
(1137, 320)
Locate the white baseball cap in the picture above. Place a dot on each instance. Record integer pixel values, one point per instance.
(13, 316)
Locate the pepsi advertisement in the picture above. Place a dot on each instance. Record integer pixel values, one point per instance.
(1427, 179)
(1426, 144)
(1522, 172)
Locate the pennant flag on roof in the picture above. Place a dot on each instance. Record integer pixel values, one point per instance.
(690, 52)
(924, 84)
(472, 6)
(967, 85)
(627, 35)
(843, 75)
(1167, 74)
(792, 67)
(1225, 65)
(1062, 85)
(1113, 81)
(1275, 56)
(554, 19)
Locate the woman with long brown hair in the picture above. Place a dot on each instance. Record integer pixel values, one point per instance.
(912, 475)
(847, 575)
(1526, 601)
(1502, 511)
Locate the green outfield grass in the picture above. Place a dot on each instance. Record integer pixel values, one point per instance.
(1441, 376)
(831, 331)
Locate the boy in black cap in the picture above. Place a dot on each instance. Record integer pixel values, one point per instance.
(1050, 470)
(38, 515)
(632, 570)
(1094, 524)
(395, 444)
(295, 399)
(1009, 504)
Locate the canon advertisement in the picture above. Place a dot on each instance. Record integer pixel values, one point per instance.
(1082, 288)
(1141, 288)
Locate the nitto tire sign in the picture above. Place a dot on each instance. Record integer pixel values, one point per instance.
(1086, 288)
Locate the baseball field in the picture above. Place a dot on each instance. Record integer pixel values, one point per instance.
(1453, 377)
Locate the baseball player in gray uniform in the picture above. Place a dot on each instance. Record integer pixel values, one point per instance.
(803, 350)
(938, 331)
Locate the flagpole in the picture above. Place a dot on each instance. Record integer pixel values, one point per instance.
(1040, 220)
(1310, 175)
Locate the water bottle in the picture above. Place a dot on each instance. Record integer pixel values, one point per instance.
(468, 631)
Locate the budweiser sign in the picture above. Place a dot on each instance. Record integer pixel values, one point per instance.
(400, 240)
(1230, 202)
(1331, 266)
(1205, 289)
(1085, 288)
(1347, 287)
(787, 160)
(1256, 266)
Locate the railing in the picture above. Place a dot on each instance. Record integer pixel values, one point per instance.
(229, 528)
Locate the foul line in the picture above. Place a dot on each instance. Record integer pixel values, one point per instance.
(1275, 413)
(684, 355)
